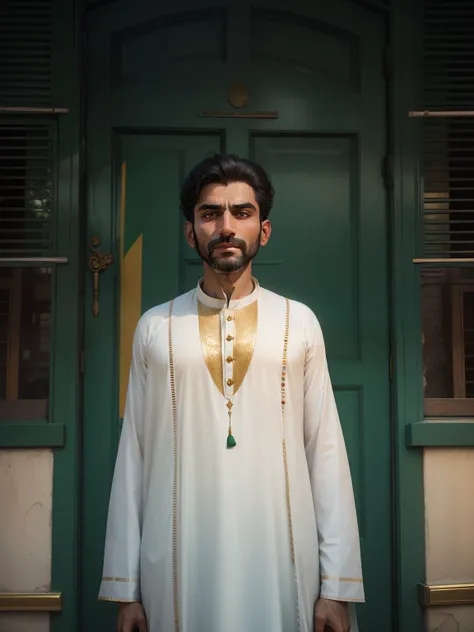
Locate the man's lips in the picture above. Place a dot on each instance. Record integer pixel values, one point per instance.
(226, 247)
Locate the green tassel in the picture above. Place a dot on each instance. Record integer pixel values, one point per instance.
(231, 441)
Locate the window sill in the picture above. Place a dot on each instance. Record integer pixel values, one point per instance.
(31, 434)
(449, 407)
(438, 434)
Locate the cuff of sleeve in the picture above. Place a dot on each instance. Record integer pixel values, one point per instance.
(350, 589)
(119, 589)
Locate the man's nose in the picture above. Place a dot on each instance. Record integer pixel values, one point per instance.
(227, 224)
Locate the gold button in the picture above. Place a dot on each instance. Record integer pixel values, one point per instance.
(229, 338)
(229, 318)
(230, 382)
(229, 359)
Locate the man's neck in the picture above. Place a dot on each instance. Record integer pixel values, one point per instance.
(233, 286)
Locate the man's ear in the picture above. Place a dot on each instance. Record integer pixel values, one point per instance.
(265, 232)
(189, 234)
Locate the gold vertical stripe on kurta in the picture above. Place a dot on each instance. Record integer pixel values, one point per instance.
(130, 296)
(174, 412)
(246, 323)
(211, 343)
(284, 371)
(284, 364)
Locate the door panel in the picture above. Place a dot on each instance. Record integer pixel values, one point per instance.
(315, 179)
(154, 166)
(153, 73)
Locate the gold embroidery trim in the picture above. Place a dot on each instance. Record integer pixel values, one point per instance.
(283, 403)
(355, 580)
(117, 600)
(119, 579)
(343, 599)
(285, 454)
(175, 472)
(210, 333)
(246, 324)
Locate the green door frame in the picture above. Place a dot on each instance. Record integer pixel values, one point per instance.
(406, 81)
(409, 546)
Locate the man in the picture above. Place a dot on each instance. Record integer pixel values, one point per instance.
(232, 507)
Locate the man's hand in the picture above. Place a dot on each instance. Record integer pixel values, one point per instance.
(131, 617)
(332, 615)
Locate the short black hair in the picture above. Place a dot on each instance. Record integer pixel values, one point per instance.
(224, 169)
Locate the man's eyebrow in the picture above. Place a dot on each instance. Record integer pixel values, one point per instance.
(206, 206)
(237, 207)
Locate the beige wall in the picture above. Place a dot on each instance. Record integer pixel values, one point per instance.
(26, 479)
(449, 515)
(18, 622)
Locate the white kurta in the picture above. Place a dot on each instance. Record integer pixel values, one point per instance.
(199, 532)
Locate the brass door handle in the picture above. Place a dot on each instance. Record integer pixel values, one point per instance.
(98, 262)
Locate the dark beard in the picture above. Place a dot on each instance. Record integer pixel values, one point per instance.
(232, 264)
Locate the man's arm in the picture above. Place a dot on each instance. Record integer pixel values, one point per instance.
(121, 575)
(339, 548)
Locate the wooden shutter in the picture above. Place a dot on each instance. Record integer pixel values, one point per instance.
(448, 214)
(26, 189)
(26, 145)
(25, 52)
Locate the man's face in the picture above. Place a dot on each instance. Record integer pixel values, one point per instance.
(227, 231)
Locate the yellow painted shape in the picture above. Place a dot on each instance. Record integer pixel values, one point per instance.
(130, 297)
(122, 211)
(130, 311)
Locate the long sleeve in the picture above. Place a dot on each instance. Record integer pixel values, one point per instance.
(339, 547)
(121, 575)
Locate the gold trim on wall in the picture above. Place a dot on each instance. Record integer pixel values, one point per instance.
(240, 115)
(446, 595)
(31, 602)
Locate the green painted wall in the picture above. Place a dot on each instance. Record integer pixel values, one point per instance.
(66, 480)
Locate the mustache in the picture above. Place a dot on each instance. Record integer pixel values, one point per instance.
(233, 241)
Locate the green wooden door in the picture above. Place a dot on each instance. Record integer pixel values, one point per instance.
(309, 78)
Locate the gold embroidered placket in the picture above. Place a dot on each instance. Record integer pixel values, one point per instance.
(209, 324)
(245, 325)
(210, 356)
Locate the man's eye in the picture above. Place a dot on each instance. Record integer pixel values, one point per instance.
(209, 215)
(243, 214)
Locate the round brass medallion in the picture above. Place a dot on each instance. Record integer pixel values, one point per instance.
(238, 94)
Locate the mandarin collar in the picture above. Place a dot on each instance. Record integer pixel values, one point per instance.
(221, 303)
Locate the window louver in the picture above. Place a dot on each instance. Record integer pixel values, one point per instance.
(25, 52)
(26, 190)
(448, 214)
